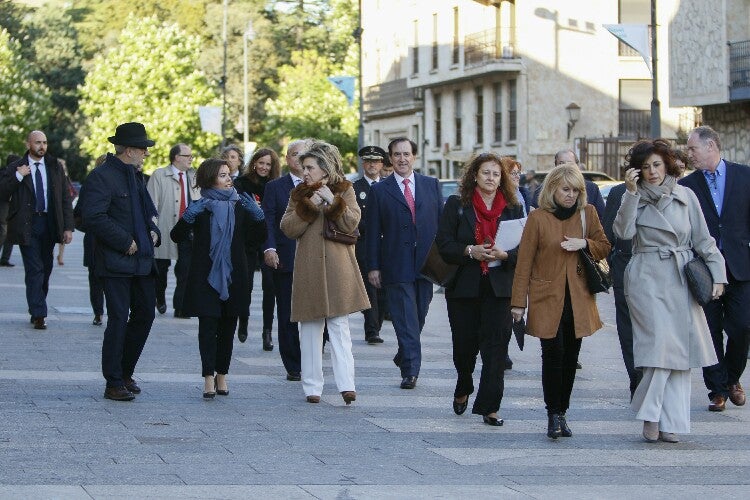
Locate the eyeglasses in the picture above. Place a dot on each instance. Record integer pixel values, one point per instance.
(517, 173)
(187, 156)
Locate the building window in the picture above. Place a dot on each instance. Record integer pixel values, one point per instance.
(498, 137)
(633, 12)
(457, 117)
(415, 50)
(480, 114)
(454, 58)
(438, 121)
(635, 108)
(512, 110)
(415, 134)
(376, 137)
(434, 41)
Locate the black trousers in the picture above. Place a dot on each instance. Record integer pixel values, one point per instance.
(481, 325)
(181, 269)
(130, 314)
(618, 262)
(96, 293)
(288, 332)
(730, 314)
(559, 359)
(215, 342)
(269, 296)
(37, 264)
(376, 313)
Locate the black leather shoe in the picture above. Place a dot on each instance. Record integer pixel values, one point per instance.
(132, 386)
(553, 426)
(508, 363)
(161, 307)
(409, 382)
(373, 339)
(293, 377)
(97, 320)
(242, 330)
(118, 394)
(267, 340)
(460, 408)
(564, 429)
(5, 263)
(497, 422)
(39, 323)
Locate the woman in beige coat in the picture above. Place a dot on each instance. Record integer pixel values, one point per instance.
(549, 276)
(327, 285)
(670, 333)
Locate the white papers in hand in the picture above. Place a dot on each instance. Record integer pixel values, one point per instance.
(508, 236)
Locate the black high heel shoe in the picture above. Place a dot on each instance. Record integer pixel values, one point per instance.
(460, 408)
(553, 426)
(497, 422)
(564, 429)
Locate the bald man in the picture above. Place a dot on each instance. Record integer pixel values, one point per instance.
(38, 196)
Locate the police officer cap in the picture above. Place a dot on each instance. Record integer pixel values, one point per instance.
(372, 153)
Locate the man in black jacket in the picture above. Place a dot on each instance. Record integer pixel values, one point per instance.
(40, 215)
(118, 211)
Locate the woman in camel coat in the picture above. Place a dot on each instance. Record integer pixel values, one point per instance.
(327, 285)
(550, 278)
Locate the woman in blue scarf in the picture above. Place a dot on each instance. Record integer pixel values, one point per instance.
(222, 224)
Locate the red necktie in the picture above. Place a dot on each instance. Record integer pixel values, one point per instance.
(182, 196)
(410, 201)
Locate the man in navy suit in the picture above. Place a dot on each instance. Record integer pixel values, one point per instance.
(397, 248)
(41, 215)
(278, 254)
(373, 159)
(723, 190)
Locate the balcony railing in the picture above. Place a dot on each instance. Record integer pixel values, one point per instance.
(739, 70)
(489, 46)
(391, 96)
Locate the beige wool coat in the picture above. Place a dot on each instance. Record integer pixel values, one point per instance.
(543, 268)
(669, 327)
(326, 281)
(164, 188)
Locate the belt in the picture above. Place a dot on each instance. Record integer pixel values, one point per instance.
(667, 252)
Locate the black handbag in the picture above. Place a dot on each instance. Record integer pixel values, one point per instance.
(598, 278)
(699, 279)
(436, 270)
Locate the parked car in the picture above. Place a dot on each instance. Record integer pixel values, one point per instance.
(448, 187)
(605, 187)
(590, 175)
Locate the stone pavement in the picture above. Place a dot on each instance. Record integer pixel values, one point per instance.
(60, 439)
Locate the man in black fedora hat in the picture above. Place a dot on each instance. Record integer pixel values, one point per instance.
(118, 211)
(373, 160)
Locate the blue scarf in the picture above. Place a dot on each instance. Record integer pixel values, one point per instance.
(221, 204)
(141, 205)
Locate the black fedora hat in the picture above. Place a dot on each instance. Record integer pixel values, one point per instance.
(131, 134)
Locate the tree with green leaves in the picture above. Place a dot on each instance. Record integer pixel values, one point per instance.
(149, 77)
(24, 102)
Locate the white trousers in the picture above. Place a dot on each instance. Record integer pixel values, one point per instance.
(311, 348)
(664, 396)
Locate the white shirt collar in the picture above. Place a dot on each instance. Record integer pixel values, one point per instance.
(400, 179)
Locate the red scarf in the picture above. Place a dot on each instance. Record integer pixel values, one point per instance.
(486, 228)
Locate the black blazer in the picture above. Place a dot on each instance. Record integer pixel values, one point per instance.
(732, 229)
(622, 250)
(455, 232)
(200, 298)
(362, 191)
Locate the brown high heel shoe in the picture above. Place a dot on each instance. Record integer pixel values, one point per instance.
(349, 396)
(313, 399)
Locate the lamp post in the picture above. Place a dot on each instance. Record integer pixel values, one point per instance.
(248, 37)
(655, 106)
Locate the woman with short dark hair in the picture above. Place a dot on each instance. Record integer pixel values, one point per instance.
(670, 332)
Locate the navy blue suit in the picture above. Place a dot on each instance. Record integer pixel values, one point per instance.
(275, 200)
(398, 248)
(730, 313)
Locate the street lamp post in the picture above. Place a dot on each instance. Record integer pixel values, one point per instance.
(248, 37)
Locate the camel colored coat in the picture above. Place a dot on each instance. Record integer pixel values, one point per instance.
(543, 268)
(327, 282)
(669, 327)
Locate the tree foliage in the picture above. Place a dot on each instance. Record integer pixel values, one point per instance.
(24, 102)
(149, 77)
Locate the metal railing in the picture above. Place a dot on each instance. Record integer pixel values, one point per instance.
(394, 93)
(489, 46)
(634, 123)
(739, 70)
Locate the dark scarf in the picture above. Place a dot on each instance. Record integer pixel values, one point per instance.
(563, 213)
(141, 205)
(221, 204)
(485, 229)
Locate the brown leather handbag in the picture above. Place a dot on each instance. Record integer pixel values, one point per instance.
(333, 233)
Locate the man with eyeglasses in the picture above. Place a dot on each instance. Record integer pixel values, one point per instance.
(173, 188)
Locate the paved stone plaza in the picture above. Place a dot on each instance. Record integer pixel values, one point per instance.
(60, 439)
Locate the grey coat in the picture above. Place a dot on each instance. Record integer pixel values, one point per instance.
(669, 327)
